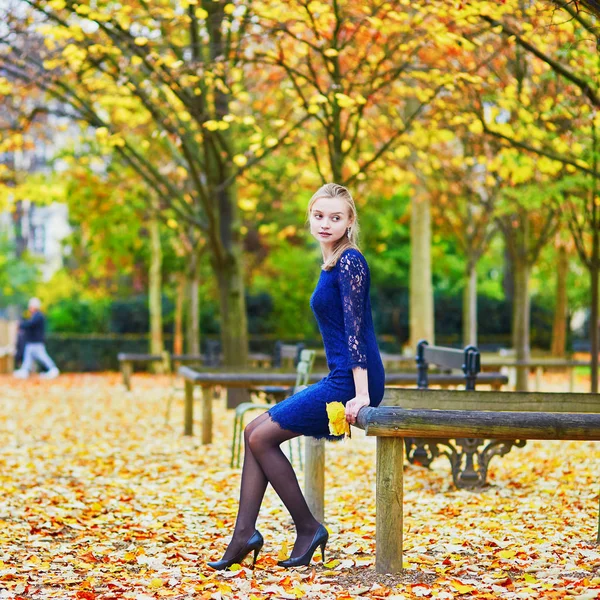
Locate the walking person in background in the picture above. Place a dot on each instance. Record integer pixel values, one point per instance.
(342, 307)
(33, 330)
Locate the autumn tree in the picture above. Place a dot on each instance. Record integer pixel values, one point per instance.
(370, 74)
(464, 206)
(556, 53)
(175, 69)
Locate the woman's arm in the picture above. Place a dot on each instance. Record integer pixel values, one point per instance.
(353, 281)
(361, 399)
(354, 290)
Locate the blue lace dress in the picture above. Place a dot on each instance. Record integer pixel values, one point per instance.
(342, 307)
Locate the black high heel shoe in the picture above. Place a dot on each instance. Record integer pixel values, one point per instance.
(320, 539)
(255, 543)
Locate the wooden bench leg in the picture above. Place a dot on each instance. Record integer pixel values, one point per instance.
(389, 498)
(207, 397)
(126, 370)
(314, 476)
(572, 379)
(538, 378)
(188, 418)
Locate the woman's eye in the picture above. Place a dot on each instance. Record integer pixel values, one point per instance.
(336, 218)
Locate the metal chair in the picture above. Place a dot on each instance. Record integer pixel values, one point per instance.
(303, 370)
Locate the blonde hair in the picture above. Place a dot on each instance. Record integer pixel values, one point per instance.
(334, 190)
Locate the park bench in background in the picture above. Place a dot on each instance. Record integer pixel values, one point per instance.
(287, 355)
(211, 359)
(284, 356)
(468, 462)
(127, 360)
(526, 416)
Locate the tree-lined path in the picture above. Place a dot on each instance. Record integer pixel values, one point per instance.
(102, 500)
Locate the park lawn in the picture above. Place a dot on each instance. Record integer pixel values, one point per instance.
(102, 499)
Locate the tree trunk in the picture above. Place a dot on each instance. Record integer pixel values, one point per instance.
(193, 313)
(594, 325)
(594, 331)
(227, 250)
(421, 289)
(155, 289)
(470, 306)
(521, 319)
(179, 298)
(508, 279)
(559, 326)
(234, 326)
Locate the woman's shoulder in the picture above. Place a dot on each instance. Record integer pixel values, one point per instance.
(352, 260)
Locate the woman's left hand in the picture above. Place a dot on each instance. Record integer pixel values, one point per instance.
(354, 405)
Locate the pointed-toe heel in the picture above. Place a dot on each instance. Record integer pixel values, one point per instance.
(319, 540)
(255, 543)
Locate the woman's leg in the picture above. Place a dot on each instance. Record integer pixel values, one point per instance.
(264, 442)
(252, 491)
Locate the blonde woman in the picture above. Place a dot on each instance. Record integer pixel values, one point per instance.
(342, 308)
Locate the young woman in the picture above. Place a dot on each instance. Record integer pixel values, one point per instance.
(342, 307)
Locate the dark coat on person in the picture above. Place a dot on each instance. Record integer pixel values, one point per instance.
(34, 328)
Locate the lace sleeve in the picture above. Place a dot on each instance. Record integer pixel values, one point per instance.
(354, 290)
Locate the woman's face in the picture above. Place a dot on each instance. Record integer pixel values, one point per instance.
(329, 220)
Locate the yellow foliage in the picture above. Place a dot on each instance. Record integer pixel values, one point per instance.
(336, 412)
(476, 127)
(318, 99)
(344, 101)
(240, 160)
(247, 204)
(283, 551)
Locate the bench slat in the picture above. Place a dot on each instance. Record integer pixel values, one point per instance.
(478, 400)
(449, 358)
(263, 377)
(392, 421)
(124, 356)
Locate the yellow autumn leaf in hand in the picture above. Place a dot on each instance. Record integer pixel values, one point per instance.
(337, 419)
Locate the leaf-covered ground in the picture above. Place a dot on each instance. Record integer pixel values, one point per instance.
(101, 499)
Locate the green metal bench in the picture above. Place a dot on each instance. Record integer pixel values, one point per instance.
(303, 370)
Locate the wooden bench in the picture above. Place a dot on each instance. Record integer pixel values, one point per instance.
(208, 380)
(127, 360)
(460, 414)
(468, 463)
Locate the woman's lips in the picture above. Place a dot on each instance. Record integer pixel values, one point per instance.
(322, 233)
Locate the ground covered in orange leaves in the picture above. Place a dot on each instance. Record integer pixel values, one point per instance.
(100, 498)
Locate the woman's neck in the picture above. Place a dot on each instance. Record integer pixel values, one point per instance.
(326, 251)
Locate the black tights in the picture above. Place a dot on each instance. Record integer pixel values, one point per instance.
(265, 462)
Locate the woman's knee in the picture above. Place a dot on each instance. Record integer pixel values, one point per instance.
(253, 425)
(262, 437)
